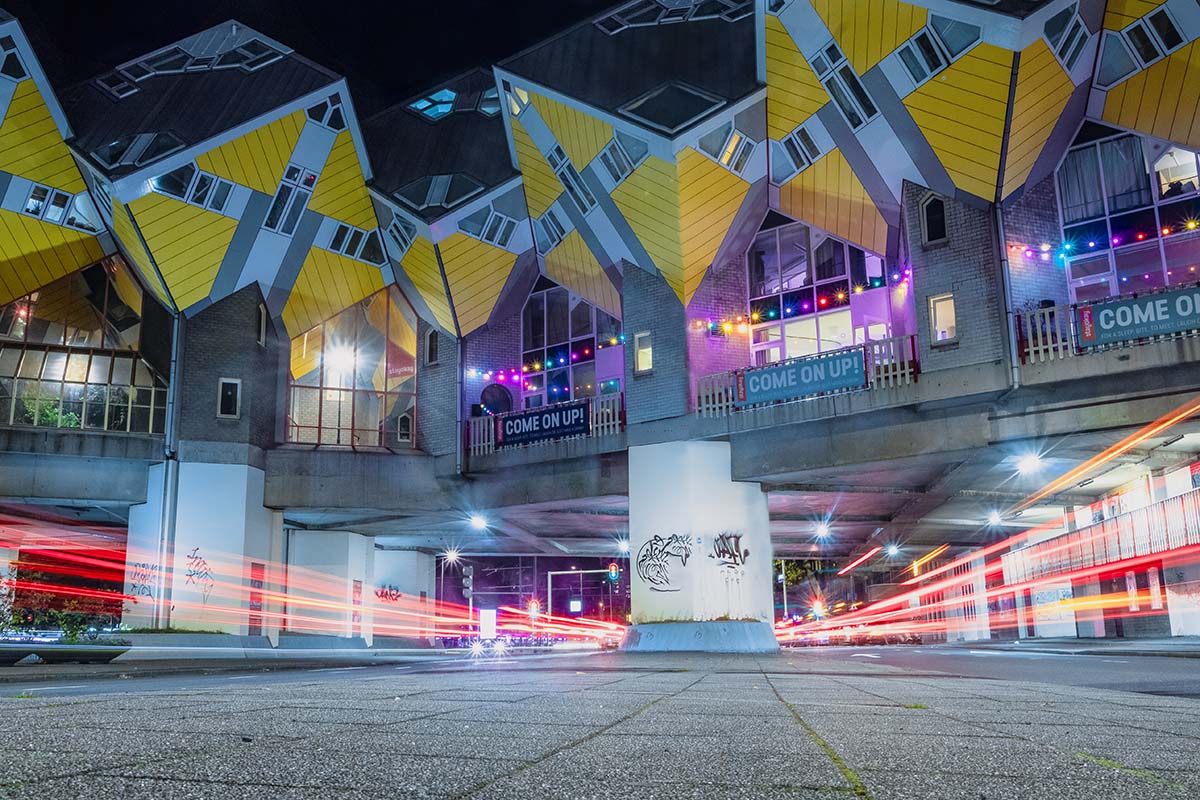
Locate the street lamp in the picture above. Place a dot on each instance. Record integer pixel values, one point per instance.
(450, 556)
(893, 550)
(823, 530)
(994, 518)
(1029, 463)
(623, 546)
(478, 522)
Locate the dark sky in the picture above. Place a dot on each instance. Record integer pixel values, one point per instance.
(388, 51)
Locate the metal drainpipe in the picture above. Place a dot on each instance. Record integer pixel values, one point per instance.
(170, 491)
(1010, 312)
(459, 433)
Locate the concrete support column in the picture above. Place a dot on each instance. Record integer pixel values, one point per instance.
(967, 617)
(8, 574)
(403, 595)
(1050, 617)
(329, 585)
(700, 552)
(1089, 622)
(225, 560)
(1183, 595)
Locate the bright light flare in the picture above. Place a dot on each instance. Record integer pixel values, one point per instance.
(451, 555)
(823, 530)
(478, 522)
(864, 557)
(1029, 463)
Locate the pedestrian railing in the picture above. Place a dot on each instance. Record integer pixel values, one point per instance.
(1167, 525)
(606, 417)
(1052, 334)
(888, 363)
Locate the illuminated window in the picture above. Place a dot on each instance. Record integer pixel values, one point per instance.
(489, 102)
(729, 146)
(436, 105)
(518, 98)
(643, 353)
(1175, 172)
(941, 319)
(563, 339)
(352, 378)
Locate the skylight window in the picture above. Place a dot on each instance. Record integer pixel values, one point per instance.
(173, 60)
(440, 190)
(12, 66)
(644, 13)
(672, 106)
(137, 150)
(436, 105)
(489, 102)
(329, 113)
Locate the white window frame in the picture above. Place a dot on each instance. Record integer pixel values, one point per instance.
(70, 208)
(1155, 39)
(571, 180)
(1070, 47)
(929, 200)
(518, 99)
(1110, 39)
(300, 184)
(616, 161)
(801, 150)
(913, 49)
(331, 103)
(221, 385)
(638, 338)
(831, 67)
(262, 325)
(354, 241)
(402, 233)
(431, 335)
(934, 300)
(552, 230)
(218, 187)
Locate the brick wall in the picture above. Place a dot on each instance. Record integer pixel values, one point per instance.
(722, 295)
(493, 347)
(650, 304)
(222, 342)
(965, 265)
(436, 394)
(1029, 223)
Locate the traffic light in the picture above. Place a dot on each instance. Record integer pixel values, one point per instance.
(468, 578)
(614, 572)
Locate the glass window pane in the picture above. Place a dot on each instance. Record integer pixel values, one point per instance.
(1166, 29)
(1175, 172)
(1142, 43)
(835, 329)
(608, 329)
(277, 207)
(534, 322)
(1139, 268)
(220, 195)
(1079, 186)
(1124, 174)
(583, 379)
(1183, 258)
(941, 317)
(557, 328)
(800, 337)
(830, 259)
(581, 318)
(793, 257)
(175, 182)
(294, 212)
(764, 264)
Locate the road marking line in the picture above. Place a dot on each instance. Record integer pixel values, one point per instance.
(863, 655)
(1114, 661)
(242, 677)
(335, 669)
(52, 688)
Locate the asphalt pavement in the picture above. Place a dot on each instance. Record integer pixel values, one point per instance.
(820, 723)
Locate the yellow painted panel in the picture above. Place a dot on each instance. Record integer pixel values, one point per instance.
(327, 284)
(34, 253)
(542, 187)
(421, 265)
(968, 144)
(188, 243)
(829, 195)
(868, 30)
(341, 191)
(1119, 14)
(31, 145)
(476, 272)
(709, 198)
(1161, 100)
(257, 159)
(127, 235)
(574, 266)
(793, 92)
(1043, 89)
(649, 201)
(581, 135)
(306, 352)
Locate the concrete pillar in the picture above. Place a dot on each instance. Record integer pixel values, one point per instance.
(700, 552)
(1050, 618)
(1089, 622)
(967, 613)
(1183, 595)
(329, 584)
(8, 574)
(403, 596)
(225, 559)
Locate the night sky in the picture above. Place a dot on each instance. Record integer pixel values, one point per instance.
(387, 51)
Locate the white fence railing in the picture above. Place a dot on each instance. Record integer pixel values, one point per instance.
(1050, 334)
(605, 418)
(1167, 525)
(889, 363)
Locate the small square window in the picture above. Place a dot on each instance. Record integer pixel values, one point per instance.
(229, 398)
(941, 319)
(431, 347)
(643, 353)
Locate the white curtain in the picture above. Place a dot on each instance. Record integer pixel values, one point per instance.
(1079, 186)
(1125, 175)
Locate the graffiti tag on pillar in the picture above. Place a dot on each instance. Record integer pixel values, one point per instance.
(654, 560)
(142, 580)
(728, 551)
(199, 574)
(388, 594)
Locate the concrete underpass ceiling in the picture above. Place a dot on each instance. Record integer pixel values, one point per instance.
(918, 503)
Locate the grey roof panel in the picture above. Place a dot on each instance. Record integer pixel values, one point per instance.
(194, 106)
(609, 71)
(405, 146)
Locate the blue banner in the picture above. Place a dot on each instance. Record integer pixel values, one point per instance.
(552, 422)
(1135, 318)
(844, 369)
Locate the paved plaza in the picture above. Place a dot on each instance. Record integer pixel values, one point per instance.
(796, 725)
